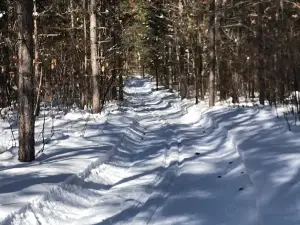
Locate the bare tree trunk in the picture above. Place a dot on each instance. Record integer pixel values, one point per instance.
(186, 70)
(156, 73)
(199, 65)
(26, 81)
(182, 74)
(94, 64)
(261, 78)
(115, 39)
(73, 78)
(36, 59)
(170, 71)
(119, 56)
(235, 78)
(165, 67)
(5, 79)
(85, 84)
(211, 85)
(121, 94)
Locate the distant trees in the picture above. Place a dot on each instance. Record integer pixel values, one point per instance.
(220, 48)
(227, 48)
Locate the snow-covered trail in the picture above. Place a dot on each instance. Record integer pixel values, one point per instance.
(168, 166)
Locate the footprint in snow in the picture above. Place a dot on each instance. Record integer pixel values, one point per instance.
(241, 189)
(197, 153)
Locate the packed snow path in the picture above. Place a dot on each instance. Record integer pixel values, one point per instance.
(164, 168)
(157, 160)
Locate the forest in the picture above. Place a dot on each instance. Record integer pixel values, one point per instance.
(68, 52)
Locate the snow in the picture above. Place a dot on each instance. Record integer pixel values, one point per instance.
(157, 160)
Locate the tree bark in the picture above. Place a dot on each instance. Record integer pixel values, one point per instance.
(120, 80)
(26, 81)
(199, 65)
(212, 33)
(94, 64)
(116, 43)
(261, 78)
(36, 60)
(85, 84)
(170, 71)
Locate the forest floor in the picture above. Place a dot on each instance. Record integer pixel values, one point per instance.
(155, 160)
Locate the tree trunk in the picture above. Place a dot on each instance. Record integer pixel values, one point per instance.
(116, 43)
(85, 84)
(5, 79)
(261, 78)
(26, 81)
(235, 78)
(165, 66)
(170, 71)
(156, 73)
(121, 94)
(212, 32)
(36, 60)
(73, 70)
(94, 64)
(199, 65)
(182, 74)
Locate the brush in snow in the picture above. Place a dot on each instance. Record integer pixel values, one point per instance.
(241, 189)
(197, 153)
(219, 176)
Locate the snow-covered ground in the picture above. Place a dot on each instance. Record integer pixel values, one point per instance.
(157, 160)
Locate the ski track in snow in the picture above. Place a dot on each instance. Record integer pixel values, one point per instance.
(169, 162)
(136, 182)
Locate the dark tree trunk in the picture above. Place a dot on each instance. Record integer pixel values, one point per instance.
(94, 64)
(261, 75)
(156, 73)
(36, 63)
(212, 33)
(26, 81)
(121, 94)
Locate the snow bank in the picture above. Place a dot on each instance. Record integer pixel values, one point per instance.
(270, 155)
